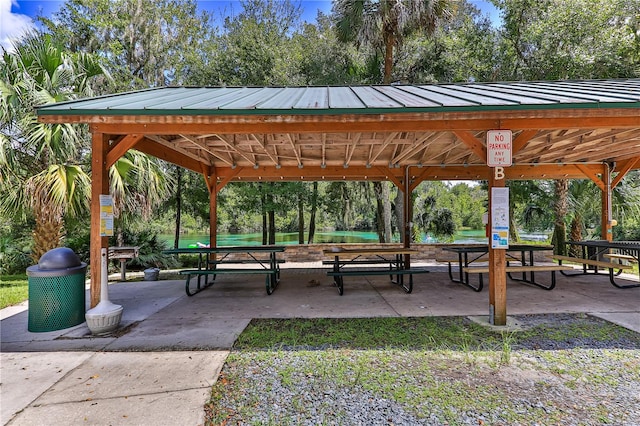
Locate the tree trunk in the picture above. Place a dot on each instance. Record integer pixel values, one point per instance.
(265, 228)
(560, 210)
(176, 240)
(300, 219)
(314, 207)
(383, 211)
(271, 215)
(47, 234)
(389, 41)
(377, 189)
(386, 198)
(576, 235)
(272, 226)
(399, 203)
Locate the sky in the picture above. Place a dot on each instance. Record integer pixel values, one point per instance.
(16, 16)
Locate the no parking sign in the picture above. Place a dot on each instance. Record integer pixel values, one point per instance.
(499, 148)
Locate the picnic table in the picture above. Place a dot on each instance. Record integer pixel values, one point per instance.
(367, 261)
(602, 255)
(468, 257)
(231, 260)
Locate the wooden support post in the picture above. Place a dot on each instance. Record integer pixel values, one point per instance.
(497, 271)
(211, 181)
(99, 186)
(607, 231)
(407, 215)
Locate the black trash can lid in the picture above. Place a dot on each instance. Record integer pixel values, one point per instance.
(59, 258)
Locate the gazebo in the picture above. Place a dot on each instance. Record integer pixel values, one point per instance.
(405, 134)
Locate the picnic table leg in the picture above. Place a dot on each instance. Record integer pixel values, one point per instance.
(613, 280)
(337, 279)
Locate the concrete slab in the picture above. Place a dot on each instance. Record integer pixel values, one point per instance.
(169, 364)
(130, 388)
(172, 334)
(630, 320)
(27, 375)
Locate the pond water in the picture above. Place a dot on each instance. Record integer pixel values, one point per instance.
(282, 238)
(333, 237)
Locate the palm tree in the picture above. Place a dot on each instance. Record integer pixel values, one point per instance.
(41, 173)
(138, 183)
(383, 25)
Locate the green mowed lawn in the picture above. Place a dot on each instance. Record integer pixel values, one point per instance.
(14, 289)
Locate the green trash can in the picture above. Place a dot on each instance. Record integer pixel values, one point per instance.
(56, 291)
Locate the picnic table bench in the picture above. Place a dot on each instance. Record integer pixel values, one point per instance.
(519, 253)
(269, 264)
(510, 269)
(344, 260)
(591, 255)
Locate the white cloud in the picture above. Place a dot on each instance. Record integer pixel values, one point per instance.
(12, 25)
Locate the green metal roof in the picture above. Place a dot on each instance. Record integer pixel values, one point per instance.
(623, 93)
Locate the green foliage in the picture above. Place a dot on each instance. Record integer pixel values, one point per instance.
(147, 42)
(153, 43)
(13, 258)
(569, 39)
(151, 248)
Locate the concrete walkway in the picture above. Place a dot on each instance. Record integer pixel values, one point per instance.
(159, 366)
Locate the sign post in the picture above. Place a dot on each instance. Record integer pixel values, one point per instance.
(499, 156)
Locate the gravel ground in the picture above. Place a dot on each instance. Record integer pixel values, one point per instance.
(539, 380)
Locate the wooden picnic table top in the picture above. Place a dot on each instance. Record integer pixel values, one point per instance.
(227, 249)
(354, 252)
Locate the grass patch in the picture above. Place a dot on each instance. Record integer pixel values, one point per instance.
(14, 289)
(427, 333)
(428, 370)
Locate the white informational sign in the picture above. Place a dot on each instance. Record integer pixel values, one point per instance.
(499, 218)
(499, 148)
(106, 215)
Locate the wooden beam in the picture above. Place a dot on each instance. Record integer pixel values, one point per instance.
(592, 174)
(263, 144)
(624, 169)
(222, 181)
(549, 118)
(162, 141)
(203, 146)
(99, 186)
(169, 154)
(311, 173)
(474, 144)
(233, 148)
(521, 140)
(420, 144)
(119, 148)
(351, 148)
(387, 140)
(389, 175)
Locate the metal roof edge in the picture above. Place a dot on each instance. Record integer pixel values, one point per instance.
(341, 111)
